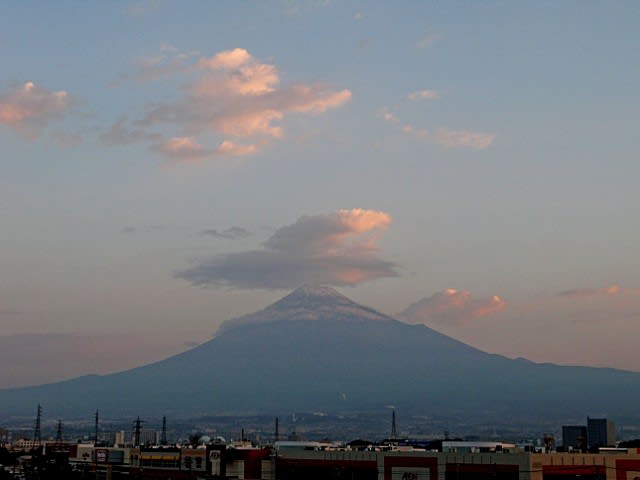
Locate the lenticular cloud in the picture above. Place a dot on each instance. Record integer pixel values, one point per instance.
(339, 248)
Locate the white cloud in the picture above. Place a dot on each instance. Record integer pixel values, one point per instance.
(338, 248)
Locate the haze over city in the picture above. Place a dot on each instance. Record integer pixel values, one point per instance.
(167, 166)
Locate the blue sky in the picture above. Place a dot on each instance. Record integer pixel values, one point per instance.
(154, 154)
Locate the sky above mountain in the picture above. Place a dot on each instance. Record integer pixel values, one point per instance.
(167, 166)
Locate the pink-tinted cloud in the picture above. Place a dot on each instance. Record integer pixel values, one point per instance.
(29, 108)
(339, 248)
(451, 306)
(227, 60)
(423, 95)
(388, 116)
(442, 136)
(233, 95)
(610, 291)
(181, 148)
(227, 147)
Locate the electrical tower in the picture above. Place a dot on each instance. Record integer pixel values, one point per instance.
(59, 429)
(37, 436)
(394, 432)
(163, 436)
(97, 428)
(136, 432)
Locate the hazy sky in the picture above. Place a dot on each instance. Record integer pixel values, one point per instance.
(168, 165)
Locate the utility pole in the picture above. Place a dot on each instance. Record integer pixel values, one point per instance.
(276, 436)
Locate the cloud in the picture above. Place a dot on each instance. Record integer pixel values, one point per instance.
(388, 116)
(154, 68)
(29, 108)
(120, 134)
(442, 136)
(464, 139)
(338, 248)
(428, 39)
(181, 148)
(451, 306)
(610, 291)
(230, 233)
(227, 60)
(424, 95)
(230, 95)
(144, 229)
(228, 147)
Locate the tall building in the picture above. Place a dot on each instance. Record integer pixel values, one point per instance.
(601, 432)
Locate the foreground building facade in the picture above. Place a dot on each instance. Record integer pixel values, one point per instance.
(308, 462)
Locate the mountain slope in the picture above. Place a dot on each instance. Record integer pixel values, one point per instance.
(317, 350)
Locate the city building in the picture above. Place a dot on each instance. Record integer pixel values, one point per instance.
(601, 432)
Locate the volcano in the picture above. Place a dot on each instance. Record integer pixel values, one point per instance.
(316, 350)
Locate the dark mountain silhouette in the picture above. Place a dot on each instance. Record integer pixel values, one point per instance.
(317, 350)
